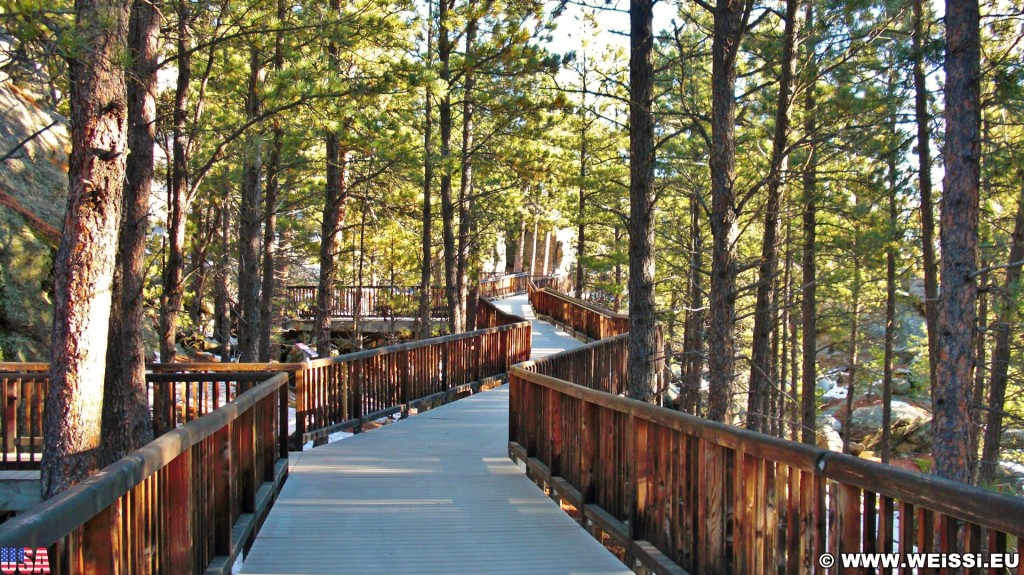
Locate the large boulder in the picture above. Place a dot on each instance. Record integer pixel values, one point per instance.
(33, 184)
(827, 433)
(1012, 439)
(865, 426)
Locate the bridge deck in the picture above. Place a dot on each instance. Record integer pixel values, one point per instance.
(432, 494)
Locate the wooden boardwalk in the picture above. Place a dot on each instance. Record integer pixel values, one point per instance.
(432, 494)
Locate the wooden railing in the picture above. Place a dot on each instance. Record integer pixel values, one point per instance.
(371, 301)
(583, 318)
(345, 391)
(503, 286)
(191, 393)
(24, 391)
(398, 301)
(188, 502)
(561, 283)
(488, 315)
(677, 491)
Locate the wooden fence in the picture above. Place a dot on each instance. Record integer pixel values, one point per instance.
(190, 393)
(503, 286)
(188, 502)
(331, 394)
(371, 301)
(679, 492)
(395, 301)
(583, 318)
(345, 391)
(561, 283)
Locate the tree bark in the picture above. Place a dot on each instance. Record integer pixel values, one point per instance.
(730, 23)
(809, 303)
(851, 385)
(428, 182)
(268, 282)
(444, 109)
(222, 294)
(959, 237)
(693, 337)
(581, 215)
(335, 200)
(642, 326)
(127, 424)
(84, 264)
(1001, 353)
(249, 215)
(177, 198)
(890, 309)
(517, 265)
(766, 316)
(924, 178)
(466, 179)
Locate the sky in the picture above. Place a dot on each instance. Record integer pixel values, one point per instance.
(613, 23)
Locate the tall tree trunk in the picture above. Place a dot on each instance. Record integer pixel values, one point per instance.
(1001, 354)
(730, 23)
(978, 414)
(809, 303)
(84, 264)
(517, 265)
(268, 282)
(249, 216)
(222, 287)
(851, 386)
(617, 300)
(127, 424)
(693, 338)
(959, 237)
(335, 200)
(444, 109)
(581, 223)
(533, 246)
(642, 196)
(466, 179)
(981, 331)
(177, 199)
(766, 316)
(428, 182)
(890, 308)
(787, 377)
(924, 178)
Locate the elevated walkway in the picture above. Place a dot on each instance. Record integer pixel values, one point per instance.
(435, 493)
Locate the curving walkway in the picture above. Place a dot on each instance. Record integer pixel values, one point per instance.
(435, 493)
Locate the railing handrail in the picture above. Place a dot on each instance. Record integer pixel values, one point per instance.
(409, 346)
(582, 303)
(966, 502)
(57, 517)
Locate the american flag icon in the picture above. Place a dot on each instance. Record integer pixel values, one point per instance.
(12, 555)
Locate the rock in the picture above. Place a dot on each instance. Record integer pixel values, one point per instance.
(835, 393)
(828, 438)
(825, 420)
(866, 424)
(1012, 439)
(856, 448)
(35, 181)
(901, 386)
(917, 441)
(825, 383)
(827, 433)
